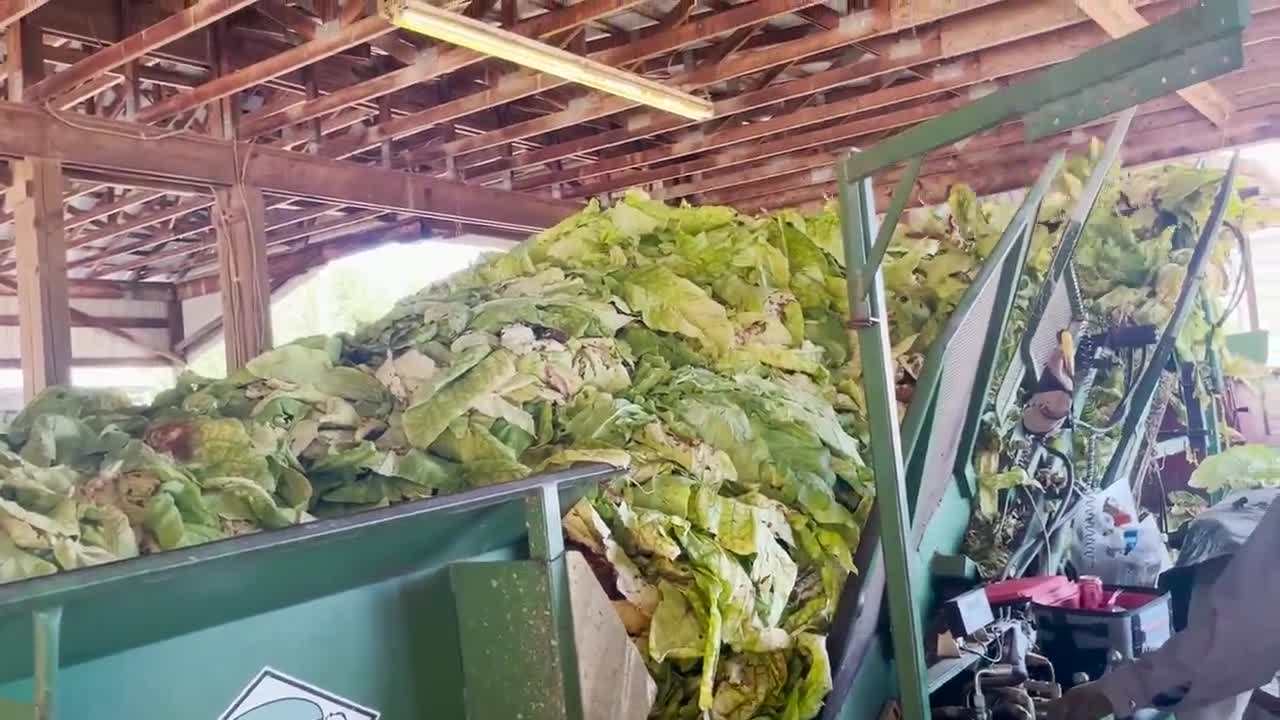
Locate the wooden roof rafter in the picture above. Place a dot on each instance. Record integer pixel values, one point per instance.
(792, 82)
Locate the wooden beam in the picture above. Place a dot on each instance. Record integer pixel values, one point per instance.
(43, 305)
(522, 84)
(11, 11)
(272, 239)
(980, 63)
(956, 35)
(275, 221)
(1002, 161)
(24, 65)
(111, 290)
(105, 209)
(242, 271)
(201, 162)
(1118, 19)
(135, 46)
(749, 170)
(288, 61)
(431, 64)
(696, 141)
(119, 323)
(110, 326)
(99, 362)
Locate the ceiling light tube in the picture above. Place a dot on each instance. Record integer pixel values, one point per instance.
(421, 17)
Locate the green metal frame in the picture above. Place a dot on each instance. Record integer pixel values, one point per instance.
(1189, 47)
(1139, 405)
(87, 624)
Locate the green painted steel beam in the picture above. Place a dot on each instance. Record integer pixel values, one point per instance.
(857, 215)
(1155, 49)
(889, 223)
(1186, 67)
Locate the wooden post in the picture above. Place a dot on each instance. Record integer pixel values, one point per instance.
(223, 118)
(177, 326)
(24, 57)
(132, 100)
(384, 116)
(44, 313)
(240, 219)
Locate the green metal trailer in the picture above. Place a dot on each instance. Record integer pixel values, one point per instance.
(450, 607)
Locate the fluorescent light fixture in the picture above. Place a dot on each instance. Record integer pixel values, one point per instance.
(422, 17)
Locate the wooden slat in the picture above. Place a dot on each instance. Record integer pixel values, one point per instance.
(11, 11)
(299, 56)
(135, 46)
(43, 304)
(1118, 18)
(108, 326)
(242, 271)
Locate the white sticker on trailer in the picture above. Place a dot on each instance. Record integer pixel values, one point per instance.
(274, 695)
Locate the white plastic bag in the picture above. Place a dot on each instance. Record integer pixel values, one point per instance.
(1111, 543)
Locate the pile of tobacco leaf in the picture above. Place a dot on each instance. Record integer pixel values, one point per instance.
(702, 349)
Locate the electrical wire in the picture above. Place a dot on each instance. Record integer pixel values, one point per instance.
(63, 118)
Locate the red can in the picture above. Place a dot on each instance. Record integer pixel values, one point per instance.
(1090, 592)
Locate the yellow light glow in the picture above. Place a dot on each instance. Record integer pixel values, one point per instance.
(426, 19)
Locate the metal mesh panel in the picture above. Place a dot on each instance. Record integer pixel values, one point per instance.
(955, 389)
(1009, 385)
(1057, 316)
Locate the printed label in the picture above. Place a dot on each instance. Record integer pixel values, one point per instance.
(275, 696)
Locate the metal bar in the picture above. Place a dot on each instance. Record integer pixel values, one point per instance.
(542, 518)
(1150, 379)
(65, 588)
(48, 630)
(897, 203)
(1113, 60)
(866, 302)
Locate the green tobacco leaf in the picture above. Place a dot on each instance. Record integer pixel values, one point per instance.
(424, 421)
(669, 303)
(1242, 467)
